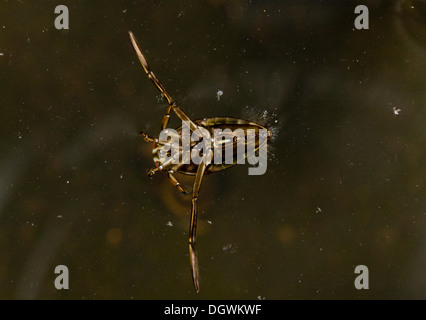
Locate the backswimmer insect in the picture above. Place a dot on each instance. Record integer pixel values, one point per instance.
(202, 128)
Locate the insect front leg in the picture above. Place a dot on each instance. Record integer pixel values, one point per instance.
(154, 170)
(147, 138)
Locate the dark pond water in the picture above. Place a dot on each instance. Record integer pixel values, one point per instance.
(345, 184)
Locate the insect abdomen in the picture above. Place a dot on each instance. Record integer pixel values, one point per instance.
(228, 127)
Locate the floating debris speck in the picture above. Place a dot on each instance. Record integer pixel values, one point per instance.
(219, 94)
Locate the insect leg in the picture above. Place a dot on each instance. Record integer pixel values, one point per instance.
(182, 116)
(195, 192)
(175, 182)
(194, 267)
(161, 88)
(147, 138)
(148, 71)
(154, 170)
(193, 222)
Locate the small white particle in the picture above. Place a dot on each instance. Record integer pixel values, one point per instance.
(230, 248)
(227, 247)
(219, 94)
(396, 111)
(169, 224)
